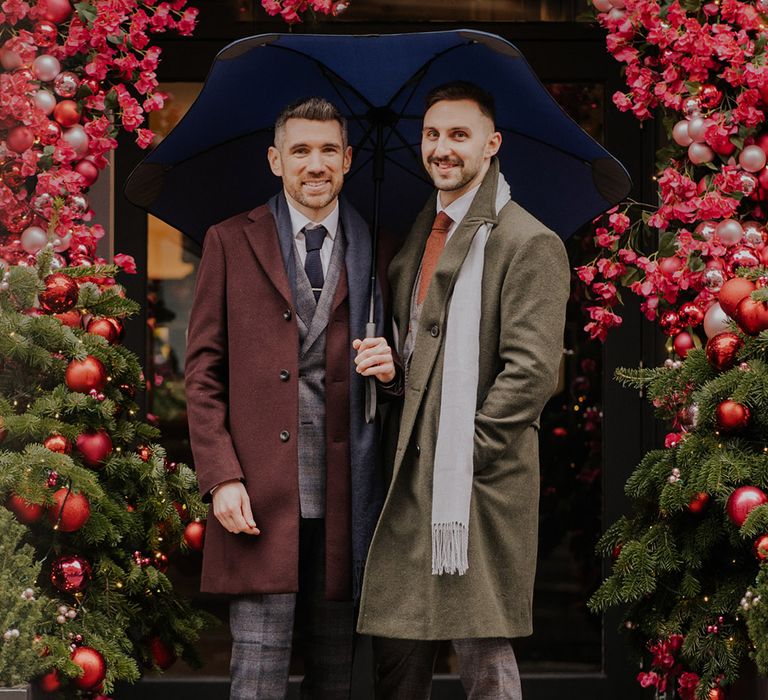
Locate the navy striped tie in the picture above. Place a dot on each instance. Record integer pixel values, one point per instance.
(313, 266)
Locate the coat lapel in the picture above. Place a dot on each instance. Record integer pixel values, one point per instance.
(405, 266)
(264, 236)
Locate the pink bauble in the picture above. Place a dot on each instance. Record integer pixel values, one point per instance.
(20, 138)
(602, 5)
(33, 239)
(55, 10)
(67, 113)
(616, 14)
(77, 138)
(715, 320)
(691, 106)
(706, 229)
(10, 60)
(46, 67)
(754, 233)
(743, 501)
(743, 256)
(697, 128)
(752, 159)
(88, 171)
(748, 183)
(729, 231)
(44, 100)
(63, 242)
(680, 133)
(700, 153)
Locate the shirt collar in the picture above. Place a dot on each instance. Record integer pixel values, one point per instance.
(299, 221)
(458, 209)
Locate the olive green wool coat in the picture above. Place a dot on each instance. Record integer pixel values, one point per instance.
(525, 289)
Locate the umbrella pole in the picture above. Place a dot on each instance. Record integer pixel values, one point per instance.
(370, 328)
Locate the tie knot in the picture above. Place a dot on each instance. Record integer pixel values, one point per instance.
(315, 237)
(442, 222)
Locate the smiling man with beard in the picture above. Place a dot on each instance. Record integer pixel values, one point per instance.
(275, 408)
(478, 294)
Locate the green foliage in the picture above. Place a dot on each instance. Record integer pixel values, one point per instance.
(680, 566)
(135, 495)
(23, 610)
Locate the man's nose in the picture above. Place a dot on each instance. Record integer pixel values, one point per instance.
(316, 162)
(442, 148)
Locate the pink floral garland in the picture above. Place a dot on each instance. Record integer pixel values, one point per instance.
(72, 77)
(292, 10)
(704, 69)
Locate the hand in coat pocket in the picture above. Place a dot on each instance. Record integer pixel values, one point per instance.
(232, 508)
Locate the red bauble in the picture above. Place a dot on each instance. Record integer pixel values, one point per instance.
(682, 343)
(690, 314)
(94, 448)
(86, 375)
(93, 665)
(58, 443)
(67, 113)
(88, 171)
(73, 319)
(55, 10)
(50, 682)
(11, 174)
(717, 694)
(731, 416)
(732, 292)
(45, 33)
(710, 96)
(669, 322)
(71, 512)
(722, 350)
(194, 535)
(751, 316)
(105, 328)
(163, 655)
(669, 266)
(20, 138)
(761, 547)
(743, 501)
(699, 502)
(50, 133)
(60, 293)
(26, 513)
(70, 574)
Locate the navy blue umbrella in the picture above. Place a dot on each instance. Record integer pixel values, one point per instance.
(213, 163)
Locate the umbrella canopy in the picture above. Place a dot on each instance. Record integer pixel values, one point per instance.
(213, 163)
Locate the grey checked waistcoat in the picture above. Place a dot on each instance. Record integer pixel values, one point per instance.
(312, 319)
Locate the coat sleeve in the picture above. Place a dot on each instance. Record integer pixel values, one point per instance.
(532, 300)
(206, 372)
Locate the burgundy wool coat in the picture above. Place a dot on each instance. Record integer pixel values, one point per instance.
(242, 401)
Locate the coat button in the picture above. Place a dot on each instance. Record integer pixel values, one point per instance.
(285, 375)
(284, 436)
(418, 450)
(434, 331)
(287, 314)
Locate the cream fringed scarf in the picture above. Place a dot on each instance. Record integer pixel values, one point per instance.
(454, 468)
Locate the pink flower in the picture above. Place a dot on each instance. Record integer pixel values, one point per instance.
(126, 262)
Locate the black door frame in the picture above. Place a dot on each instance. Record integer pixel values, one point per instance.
(558, 52)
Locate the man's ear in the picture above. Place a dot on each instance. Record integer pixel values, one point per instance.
(493, 144)
(347, 159)
(275, 162)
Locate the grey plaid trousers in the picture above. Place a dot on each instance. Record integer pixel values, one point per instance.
(262, 629)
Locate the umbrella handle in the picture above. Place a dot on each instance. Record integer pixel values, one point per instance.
(370, 385)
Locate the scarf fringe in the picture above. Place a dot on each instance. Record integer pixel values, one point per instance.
(449, 548)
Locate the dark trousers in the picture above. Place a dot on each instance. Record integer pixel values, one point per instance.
(263, 632)
(487, 667)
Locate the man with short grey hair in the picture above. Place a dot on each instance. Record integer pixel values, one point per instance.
(276, 417)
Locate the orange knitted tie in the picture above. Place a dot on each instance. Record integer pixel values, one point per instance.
(432, 251)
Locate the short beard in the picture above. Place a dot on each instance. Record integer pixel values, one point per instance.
(304, 201)
(466, 179)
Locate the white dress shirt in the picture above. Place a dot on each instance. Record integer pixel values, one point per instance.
(299, 221)
(457, 209)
